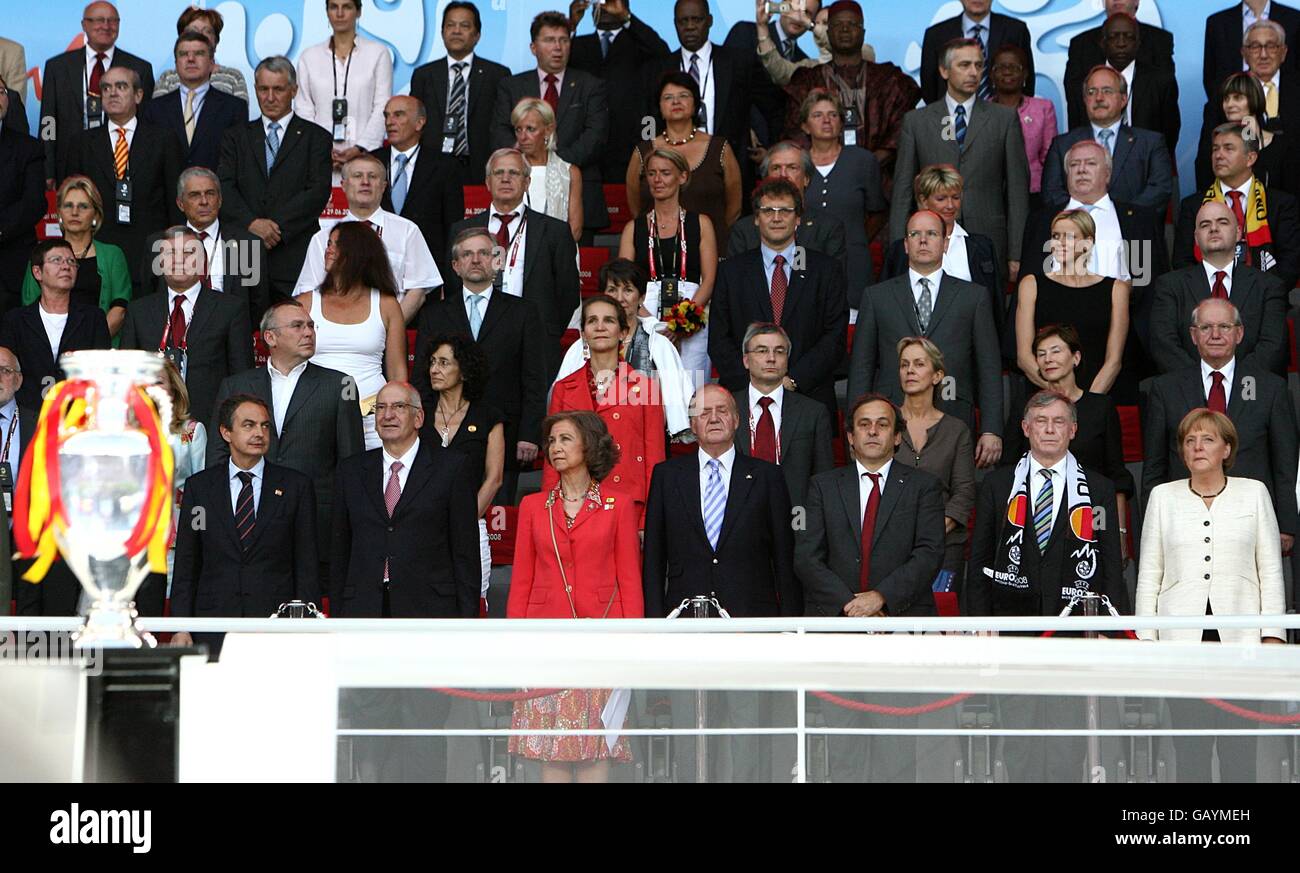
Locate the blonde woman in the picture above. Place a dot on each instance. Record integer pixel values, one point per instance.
(556, 185)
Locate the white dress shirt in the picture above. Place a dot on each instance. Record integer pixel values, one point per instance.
(283, 122)
(541, 82)
(408, 253)
(1210, 270)
(282, 387)
(54, 323)
(407, 460)
(914, 278)
(1207, 383)
(485, 299)
(1114, 129)
(236, 484)
(956, 262)
(90, 61)
(191, 295)
(468, 61)
(1036, 485)
(756, 411)
(512, 276)
(216, 254)
(199, 94)
(1248, 17)
(864, 483)
(708, 87)
(369, 84)
(725, 461)
(953, 104)
(129, 127)
(1109, 255)
(412, 154)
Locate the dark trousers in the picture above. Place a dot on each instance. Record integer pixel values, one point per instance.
(879, 758)
(1236, 753)
(397, 759)
(1043, 759)
(740, 758)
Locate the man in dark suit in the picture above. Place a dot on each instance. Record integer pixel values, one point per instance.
(784, 427)
(31, 331)
(723, 75)
(1040, 539)
(1256, 400)
(405, 545)
(506, 329)
(22, 199)
(71, 96)
(134, 165)
(1223, 39)
(992, 29)
(954, 315)
(617, 53)
(872, 547)
(423, 185)
(206, 334)
(197, 113)
(718, 524)
(236, 259)
(1084, 53)
(767, 114)
(1267, 215)
(1141, 172)
(538, 257)
(1264, 48)
(983, 141)
(256, 547)
(1259, 298)
(1153, 91)
(579, 102)
(276, 173)
(315, 419)
(799, 289)
(16, 117)
(464, 118)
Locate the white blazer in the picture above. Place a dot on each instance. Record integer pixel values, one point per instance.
(1228, 556)
(369, 85)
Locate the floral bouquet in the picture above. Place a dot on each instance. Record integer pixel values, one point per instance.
(684, 317)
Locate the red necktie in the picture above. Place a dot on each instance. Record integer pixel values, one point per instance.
(503, 232)
(764, 447)
(176, 330)
(1218, 400)
(779, 285)
(207, 272)
(392, 495)
(1220, 290)
(552, 96)
(1239, 210)
(868, 531)
(95, 72)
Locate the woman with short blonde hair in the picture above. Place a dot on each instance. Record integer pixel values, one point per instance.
(556, 186)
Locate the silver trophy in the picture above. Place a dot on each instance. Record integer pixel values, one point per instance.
(104, 470)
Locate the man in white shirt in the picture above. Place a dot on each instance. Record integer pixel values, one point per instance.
(1263, 47)
(364, 181)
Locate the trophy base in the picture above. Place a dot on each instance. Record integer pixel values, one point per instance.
(112, 626)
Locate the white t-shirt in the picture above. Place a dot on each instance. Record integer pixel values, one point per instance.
(54, 323)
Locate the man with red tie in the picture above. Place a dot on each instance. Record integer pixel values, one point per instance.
(872, 546)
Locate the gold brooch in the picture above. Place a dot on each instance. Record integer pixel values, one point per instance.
(473, 428)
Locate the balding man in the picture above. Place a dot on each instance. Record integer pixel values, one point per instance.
(423, 184)
(1259, 297)
(71, 93)
(1224, 38)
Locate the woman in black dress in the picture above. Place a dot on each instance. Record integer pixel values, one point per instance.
(1070, 293)
(461, 422)
(1098, 444)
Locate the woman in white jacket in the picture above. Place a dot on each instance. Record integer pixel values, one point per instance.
(1211, 546)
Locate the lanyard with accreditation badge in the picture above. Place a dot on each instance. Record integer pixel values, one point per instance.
(6, 469)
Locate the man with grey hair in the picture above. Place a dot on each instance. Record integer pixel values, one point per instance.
(819, 229)
(236, 259)
(1225, 33)
(197, 113)
(276, 173)
(1264, 49)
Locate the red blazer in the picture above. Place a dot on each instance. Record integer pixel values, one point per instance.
(635, 420)
(536, 586)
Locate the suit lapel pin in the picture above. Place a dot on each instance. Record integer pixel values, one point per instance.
(749, 476)
(279, 493)
(473, 428)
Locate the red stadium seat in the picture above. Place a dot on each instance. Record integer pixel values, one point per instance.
(1131, 433)
(410, 347)
(569, 338)
(337, 207)
(501, 524)
(590, 260)
(48, 226)
(477, 200)
(617, 208)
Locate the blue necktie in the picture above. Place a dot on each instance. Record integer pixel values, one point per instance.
(605, 39)
(1106, 136)
(1043, 511)
(959, 126)
(715, 503)
(400, 184)
(475, 316)
(457, 101)
(985, 91)
(272, 144)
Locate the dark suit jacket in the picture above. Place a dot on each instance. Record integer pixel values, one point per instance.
(23, 333)
(429, 85)
(1154, 98)
(22, 204)
(1283, 222)
(906, 547)
(218, 339)
(1223, 43)
(1141, 173)
(960, 325)
(321, 428)
(292, 195)
(819, 230)
(220, 112)
(16, 117)
(430, 543)
(816, 316)
(1260, 408)
(517, 379)
(435, 199)
(1001, 30)
(245, 272)
(1156, 47)
(63, 99)
(154, 167)
(1278, 166)
(1259, 297)
(752, 571)
(621, 72)
(805, 440)
(216, 575)
(980, 258)
(767, 112)
(581, 133)
(1049, 572)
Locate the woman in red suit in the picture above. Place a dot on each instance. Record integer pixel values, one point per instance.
(626, 400)
(562, 569)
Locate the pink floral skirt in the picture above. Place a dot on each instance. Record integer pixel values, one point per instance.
(565, 710)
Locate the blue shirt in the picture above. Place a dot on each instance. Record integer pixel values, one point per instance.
(769, 261)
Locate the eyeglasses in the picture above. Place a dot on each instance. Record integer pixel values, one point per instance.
(296, 325)
(399, 407)
(554, 40)
(101, 21)
(1008, 68)
(779, 351)
(61, 259)
(1262, 46)
(9, 372)
(924, 234)
(76, 207)
(1207, 329)
(1105, 91)
(508, 174)
(776, 210)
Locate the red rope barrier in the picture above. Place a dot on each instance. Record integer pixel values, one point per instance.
(498, 696)
(861, 706)
(1251, 714)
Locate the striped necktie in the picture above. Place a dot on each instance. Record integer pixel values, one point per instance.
(985, 91)
(245, 516)
(1043, 511)
(272, 144)
(189, 116)
(456, 103)
(400, 183)
(715, 503)
(959, 126)
(121, 153)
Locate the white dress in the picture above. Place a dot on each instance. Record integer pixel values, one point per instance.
(358, 351)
